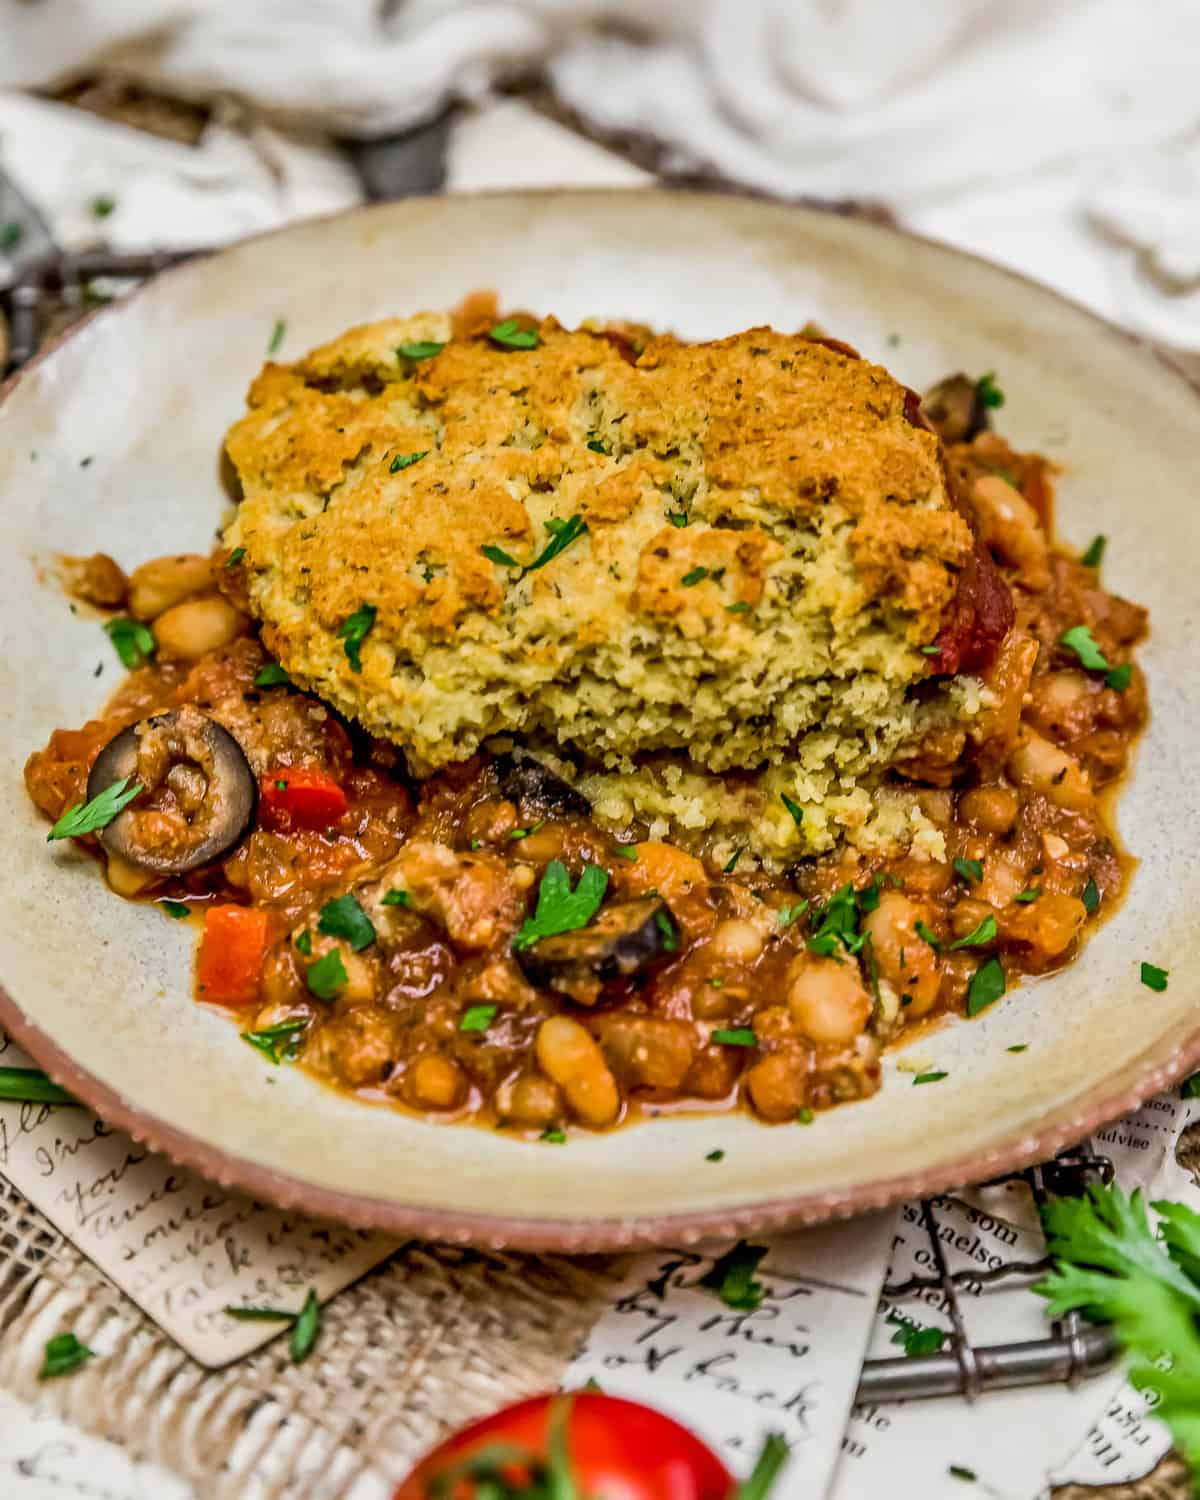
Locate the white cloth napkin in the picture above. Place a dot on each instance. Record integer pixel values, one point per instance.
(1059, 136)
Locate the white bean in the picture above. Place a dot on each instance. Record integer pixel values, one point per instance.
(190, 630)
(164, 581)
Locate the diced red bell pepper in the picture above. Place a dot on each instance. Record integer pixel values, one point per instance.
(291, 798)
(233, 950)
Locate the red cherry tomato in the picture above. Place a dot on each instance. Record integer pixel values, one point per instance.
(290, 798)
(606, 1449)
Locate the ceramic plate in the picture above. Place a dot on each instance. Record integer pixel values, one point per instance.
(99, 990)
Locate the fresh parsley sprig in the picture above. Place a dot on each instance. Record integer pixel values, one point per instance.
(559, 908)
(98, 813)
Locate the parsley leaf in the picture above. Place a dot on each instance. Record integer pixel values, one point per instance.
(931, 937)
(90, 817)
(345, 918)
(971, 870)
(1080, 640)
(64, 1353)
(693, 577)
(327, 977)
(740, 608)
(31, 1086)
(11, 235)
(260, 1314)
(935, 1077)
(1090, 896)
(563, 533)
(732, 862)
(268, 1040)
(305, 1330)
(559, 908)
(731, 1277)
(678, 517)
(957, 1471)
(988, 392)
(1153, 977)
(986, 987)
(1017, 1047)
(133, 641)
(354, 630)
(1120, 677)
(715, 1156)
(1092, 557)
(553, 1136)
(419, 349)
(406, 460)
(102, 206)
(627, 851)
(794, 808)
(498, 555)
(985, 932)
(735, 1036)
(396, 898)
(915, 1340)
(277, 336)
(788, 914)
(235, 557)
(304, 943)
(510, 336)
(838, 924)
(176, 909)
(805, 1117)
(1190, 1087)
(662, 920)
(1026, 896)
(273, 675)
(477, 1017)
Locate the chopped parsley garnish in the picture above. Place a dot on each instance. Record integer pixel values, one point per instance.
(277, 336)
(988, 392)
(305, 1330)
(102, 206)
(1153, 977)
(553, 1136)
(272, 675)
(304, 943)
(597, 446)
(1090, 896)
(838, 924)
(627, 851)
(498, 555)
(477, 1017)
(406, 460)
(805, 1117)
(559, 908)
(934, 650)
(31, 1086)
(986, 987)
(235, 557)
(914, 1340)
(735, 1036)
(693, 577)
(1080, 640)
(731, 1277)
(133, 641)
(740, 608)
(957, 1471)
(64, 1353)
(90, 817)
(931, 937)
(523, 833)
(715, 1156)
(260, 1314)
(662, 920)
(1026, 896)
(270, 1039)
(1017, 1047)
(678, 518)
(1095, 552)
(794, 808)
(1190, 1087)
(1119, 678)
(971, 870)
(868, 897)
(509, 335)
(788, 914)
(935, 1077)
(984, 933)
(327, 977)
(354, 630)
(419, 349)
(562, 534)
(281, 785)
(396, 898)
(176, 909)
(10, 235)
(732, 861)
(345, 918)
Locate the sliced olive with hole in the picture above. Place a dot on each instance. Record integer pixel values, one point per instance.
(536, 790)
(955, 410)
(200, 792)
(625, 940)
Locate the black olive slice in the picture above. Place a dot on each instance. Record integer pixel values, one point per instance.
(955, 410)
(626, 939)
(202, 792)
(537, 791)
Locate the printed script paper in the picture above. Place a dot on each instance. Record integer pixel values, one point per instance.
(182, 1248)
(790, 1365)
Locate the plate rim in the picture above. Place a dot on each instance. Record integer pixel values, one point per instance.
(573, 1235)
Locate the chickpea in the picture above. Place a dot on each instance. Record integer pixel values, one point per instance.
(529, 1101)
(991, 809)
(190, 630)
(827, 999)
(166, 581)
(99, 580)
(903, 956)
(714, 1071)
(435, 1082)
(360, 977)
(669, 871)
(737, 939)
(567, 1053)
(1041, 766)
(1061, 701)
(1050, 924)
(648, 1051)
(776, 1086)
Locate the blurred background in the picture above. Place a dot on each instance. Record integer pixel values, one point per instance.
(1061, 137)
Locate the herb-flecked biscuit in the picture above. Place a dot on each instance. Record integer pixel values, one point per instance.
(720, 549)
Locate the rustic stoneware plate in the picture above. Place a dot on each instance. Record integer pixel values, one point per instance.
(110, 442)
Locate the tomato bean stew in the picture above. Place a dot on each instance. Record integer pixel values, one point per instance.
(477, 947)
